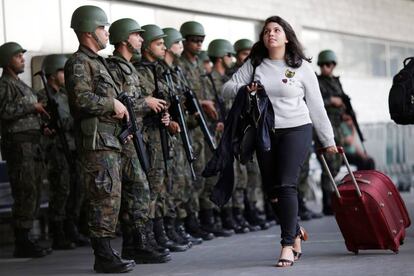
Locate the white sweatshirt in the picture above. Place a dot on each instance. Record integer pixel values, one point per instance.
(293, 92)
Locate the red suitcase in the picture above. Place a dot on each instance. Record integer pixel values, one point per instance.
(369, 210)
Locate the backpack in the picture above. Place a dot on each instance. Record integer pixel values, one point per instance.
(401, 97)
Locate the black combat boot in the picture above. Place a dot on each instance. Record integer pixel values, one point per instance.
(136, 246)
(194, 229)
(229, 221)
(209, 224)
(172, 234)
(24, 247)
(270, 215)
(304, 213)
(60, 242)
(180, 229)
(251, 214)
(107, 260)
(72, 233)
(238, 215)
(149, 227)
(163, 240)
(326, 202)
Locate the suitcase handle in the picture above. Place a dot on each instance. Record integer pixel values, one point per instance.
(342, 152)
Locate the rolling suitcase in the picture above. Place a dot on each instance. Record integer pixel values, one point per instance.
(369, 210)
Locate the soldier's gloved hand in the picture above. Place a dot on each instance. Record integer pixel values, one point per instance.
(166, 119)
(40, 109)
(210, 109)
(174, 127)
(120, 110)
(336, 101)
(157, 105)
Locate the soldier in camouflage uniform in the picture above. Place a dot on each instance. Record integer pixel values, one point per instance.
(205, 59)
(331, 90)
(98, 119)
(153, 53)
(220, 52)
(194, 34)
(60, 175)
(134, 213)
(20, 147)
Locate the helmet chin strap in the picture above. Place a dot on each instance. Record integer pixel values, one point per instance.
(158, 58)
(100, 44)
(131, 48)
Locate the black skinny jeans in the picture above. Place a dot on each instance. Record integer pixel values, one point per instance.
(280, 168)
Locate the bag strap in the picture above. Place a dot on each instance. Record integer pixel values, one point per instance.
(405, 62)
(254, 72)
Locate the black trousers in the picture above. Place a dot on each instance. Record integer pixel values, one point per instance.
(280, 168)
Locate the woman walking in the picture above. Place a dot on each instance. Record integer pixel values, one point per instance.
(279, 68)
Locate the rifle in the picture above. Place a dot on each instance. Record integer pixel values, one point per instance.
(133, 129)
(219, 100)
(178, 114)
(162, 129)
(56, 123)
(350, 111)
(193, 107)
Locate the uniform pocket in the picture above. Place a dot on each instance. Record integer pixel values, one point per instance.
(103, 181)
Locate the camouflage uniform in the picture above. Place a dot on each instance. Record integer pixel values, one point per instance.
(91, 92)
(21, 148)
(330, 87)
(135, 188)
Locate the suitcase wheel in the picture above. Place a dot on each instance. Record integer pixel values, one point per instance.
(395, 251)
(356, 252)
(401, 242)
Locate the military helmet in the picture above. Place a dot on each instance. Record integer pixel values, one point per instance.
(53, 63)
(152, 32)
(7, 51)
(327, 56)
(243, 44)
(220, 48)
(121, 29)
(87, 18)
(172, 36)
(203, 56)
(192, 28)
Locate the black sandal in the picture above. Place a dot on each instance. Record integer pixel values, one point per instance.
(286, 261)
(303, 235)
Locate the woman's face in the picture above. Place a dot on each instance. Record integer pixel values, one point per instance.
(274, 36)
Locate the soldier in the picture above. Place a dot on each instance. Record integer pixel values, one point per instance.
(182, 188)
(153, 53)
(242, 48)
(21, 134)
(98, 119)
(61, 174)
(204, 58)
(331, 90)
(134, 214)
(220, 52)
(194, 34)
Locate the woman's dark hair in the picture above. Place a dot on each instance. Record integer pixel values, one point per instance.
(294, 50)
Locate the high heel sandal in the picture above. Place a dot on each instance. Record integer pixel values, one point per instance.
(303, 235)
(286, 261)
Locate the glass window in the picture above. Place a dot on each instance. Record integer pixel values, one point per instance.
(355, 53)
(377, 59)
(27, 24)
(397, 56)
(1, 23)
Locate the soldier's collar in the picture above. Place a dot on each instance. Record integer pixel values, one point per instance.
(88, 51)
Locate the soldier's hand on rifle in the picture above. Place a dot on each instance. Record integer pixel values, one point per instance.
(40, 109)
(210, 109)
(336, 101)
(220, 127)
(120, 110)
(48, 131)
(157, 105)
(174, 127)
(166, 119)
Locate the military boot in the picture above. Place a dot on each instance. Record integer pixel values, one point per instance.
(304, 212)
(24, 247)
(238, 215)
(107, 260)
(172, 234)
(72, 233)
(162, 238)
(135, 246)
(60, 242)
(209, 224)
(230, 223)
(149, 227)
(194, 229)
(254, 219)
(180, 229)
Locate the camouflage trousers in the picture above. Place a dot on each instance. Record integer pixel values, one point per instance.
(24, 162)
(209, 183)
(240, 186)
(102, 172)
(135, 200)
(254, 181)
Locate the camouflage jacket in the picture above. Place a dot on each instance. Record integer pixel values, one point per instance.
(91, 92)
(194, 73)
(17, 111)
(331, 87)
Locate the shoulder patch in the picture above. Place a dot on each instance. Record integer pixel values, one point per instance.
(78, 70)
